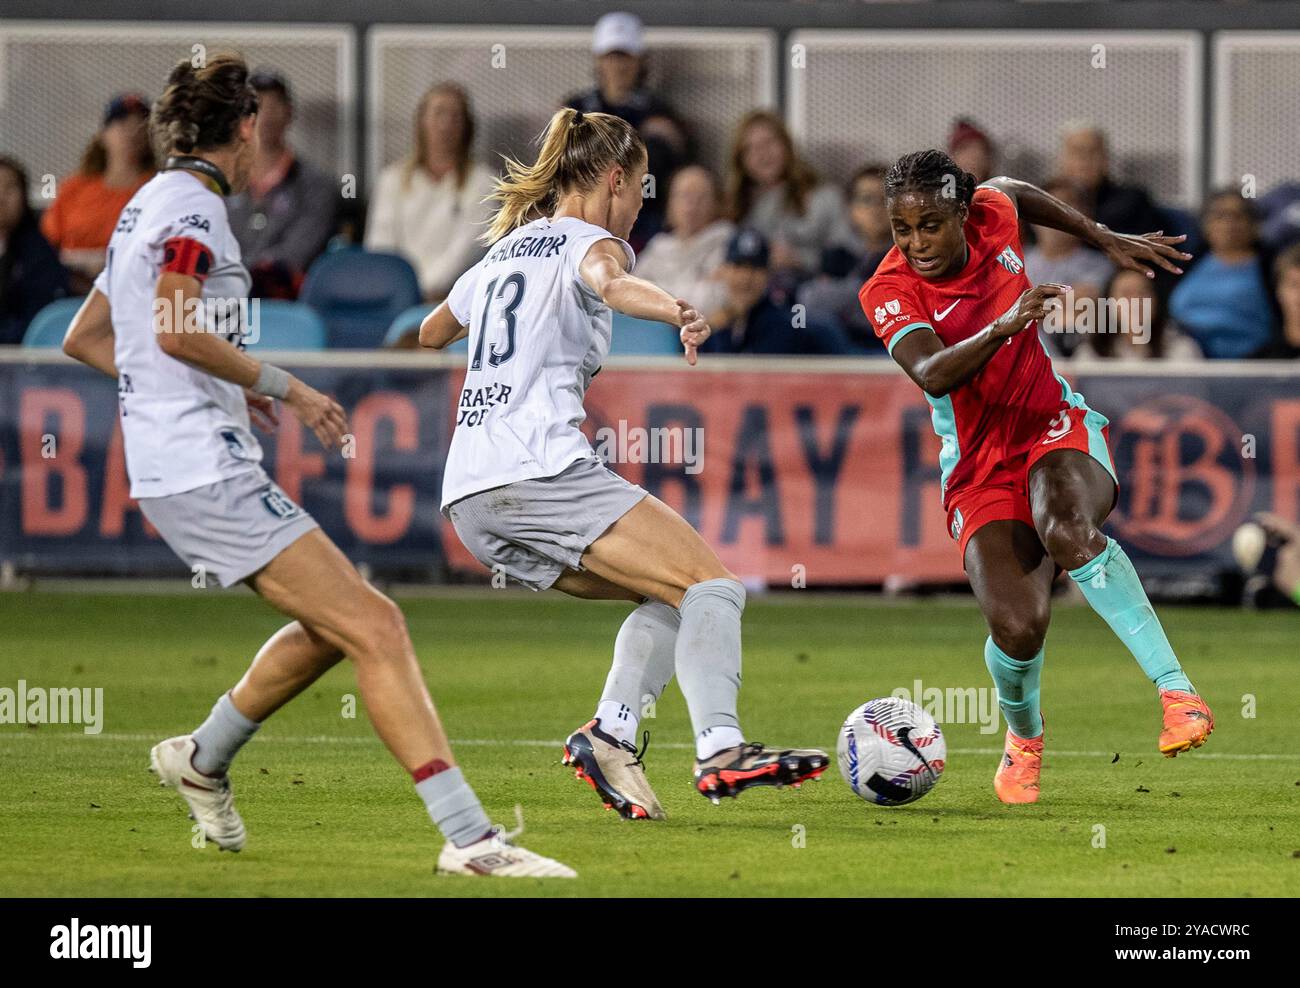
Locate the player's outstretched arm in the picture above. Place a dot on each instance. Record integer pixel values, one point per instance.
(938, 369)
(604, 269)
(1126, 250)
(90, 336)
(175, 297)
(441, 329)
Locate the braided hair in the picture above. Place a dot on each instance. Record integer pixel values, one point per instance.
(931, 173)
(201, 107)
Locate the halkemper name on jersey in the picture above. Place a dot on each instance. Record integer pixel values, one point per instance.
(529, 247)
(475, 403)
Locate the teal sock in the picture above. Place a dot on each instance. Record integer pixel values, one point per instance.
(1111, 586)
(1017, 684)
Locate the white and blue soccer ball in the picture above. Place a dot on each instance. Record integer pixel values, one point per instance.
(891, 751)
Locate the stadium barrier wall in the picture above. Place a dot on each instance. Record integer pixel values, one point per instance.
(822, 473)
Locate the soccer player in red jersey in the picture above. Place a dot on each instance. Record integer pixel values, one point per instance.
(1027, 475)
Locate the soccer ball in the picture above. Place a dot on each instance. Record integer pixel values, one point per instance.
(891, 751)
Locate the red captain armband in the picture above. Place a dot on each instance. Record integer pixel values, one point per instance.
(182, 255)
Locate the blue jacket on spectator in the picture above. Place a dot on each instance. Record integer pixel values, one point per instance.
(1225, 308)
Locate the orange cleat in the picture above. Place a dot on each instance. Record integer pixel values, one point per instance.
(1188, 722)
(1016, 780)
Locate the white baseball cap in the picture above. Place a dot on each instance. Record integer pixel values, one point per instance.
(618, 31)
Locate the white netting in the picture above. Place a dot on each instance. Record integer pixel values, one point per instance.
(1257, 107)
(873, 96)
(56, 78)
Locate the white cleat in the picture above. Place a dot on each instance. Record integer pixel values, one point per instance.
(211, 801)
(497, 857)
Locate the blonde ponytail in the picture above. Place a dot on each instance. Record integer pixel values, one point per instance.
(575, 149)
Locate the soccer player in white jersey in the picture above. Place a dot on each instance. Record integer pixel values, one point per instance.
(186, 388)
(526, 492)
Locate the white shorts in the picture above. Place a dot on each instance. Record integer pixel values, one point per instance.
(231, 528)
(534, 530)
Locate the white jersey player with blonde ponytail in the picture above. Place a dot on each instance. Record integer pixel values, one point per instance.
(528, 495)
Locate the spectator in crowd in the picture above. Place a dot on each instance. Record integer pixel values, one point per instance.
(1085, 160)
(30, 273)
(833, 296)
(118, 160)
(1223, 301)
(972, 149)
(684, 259)
(618, 45)
(1131, 322)
(285, 217)
(749, 321)
(1060, 259)
(1286, 275)
(1280, 210)
(771, 189)
(429, 207)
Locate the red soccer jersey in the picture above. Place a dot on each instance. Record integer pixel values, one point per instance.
(989, 423)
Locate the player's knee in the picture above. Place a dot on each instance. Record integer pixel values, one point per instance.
(1020, 634)
(1071, 539)
(382, 634)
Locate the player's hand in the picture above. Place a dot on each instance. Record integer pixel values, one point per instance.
(1031, 305)
(319, 412)
(261, 409)
(695, 330)
(1137, 253)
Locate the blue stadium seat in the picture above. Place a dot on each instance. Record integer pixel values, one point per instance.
(643, 338)
(49, 326)
(410, 320)
(288, 326)
(359, 293)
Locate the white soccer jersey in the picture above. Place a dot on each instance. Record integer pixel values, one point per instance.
(537, 334)
(183, 428)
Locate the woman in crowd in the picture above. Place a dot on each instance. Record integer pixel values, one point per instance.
(684, 259)
(30, 273)
(771, 189)
(1132, 323)
(1223, 303)
(429, 207)
(118, 160)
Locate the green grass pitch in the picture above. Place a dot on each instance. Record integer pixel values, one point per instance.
(329, 813)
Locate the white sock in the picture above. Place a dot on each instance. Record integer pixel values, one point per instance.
(618, 720)
(711, 740)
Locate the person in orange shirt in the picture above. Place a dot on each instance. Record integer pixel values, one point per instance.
(118, 160)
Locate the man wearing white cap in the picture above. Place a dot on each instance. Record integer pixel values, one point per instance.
(618, 43)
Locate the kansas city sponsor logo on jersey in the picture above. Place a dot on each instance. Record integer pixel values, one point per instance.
(891, 308)
(1010, 261)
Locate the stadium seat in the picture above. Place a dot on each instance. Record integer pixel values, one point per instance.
(49, 326)
(289, 326)
(643, 338)
(358, 293)
(409, 321)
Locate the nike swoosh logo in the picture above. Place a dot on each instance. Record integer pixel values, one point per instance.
(939, 316)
